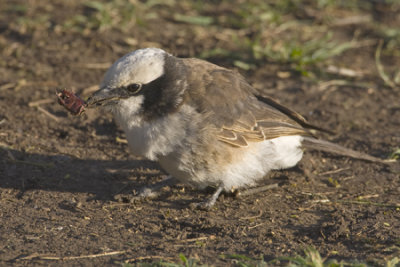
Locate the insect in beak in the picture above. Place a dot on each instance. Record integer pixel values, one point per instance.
(71, 102)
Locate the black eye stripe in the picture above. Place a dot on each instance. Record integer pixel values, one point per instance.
(134, 87)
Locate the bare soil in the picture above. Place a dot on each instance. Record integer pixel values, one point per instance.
(59, 174)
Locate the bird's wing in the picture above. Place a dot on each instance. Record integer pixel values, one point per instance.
(231, 105)
(257, 124)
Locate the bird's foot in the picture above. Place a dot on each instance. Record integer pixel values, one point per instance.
(147, 192)
(208, 203)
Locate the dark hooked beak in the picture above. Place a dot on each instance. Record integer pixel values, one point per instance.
(105, 96)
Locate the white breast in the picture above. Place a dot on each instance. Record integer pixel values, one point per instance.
(158, 137)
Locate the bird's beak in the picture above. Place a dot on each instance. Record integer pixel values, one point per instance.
(104, 96)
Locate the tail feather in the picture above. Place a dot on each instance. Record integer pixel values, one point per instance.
(326, 146)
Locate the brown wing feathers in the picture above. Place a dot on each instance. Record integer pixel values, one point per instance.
(242, 117)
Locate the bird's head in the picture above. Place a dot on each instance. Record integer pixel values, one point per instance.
(139, 82)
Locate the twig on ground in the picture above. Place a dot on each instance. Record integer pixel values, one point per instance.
(368, 196)
(29, 257)
(48, 114)
(359, 202)
(37, 104)
(121, 140)
(352, 20)
(321, 201)
(196, 239)
(395, 205)
(148, 258)
(40, 102)
(325, 85)
(7, 86)
(255, 226)
(334, 171)
(45, 257)
(343, 71)
(256, 190)
(347, 178)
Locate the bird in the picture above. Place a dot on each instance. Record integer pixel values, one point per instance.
(205, 125)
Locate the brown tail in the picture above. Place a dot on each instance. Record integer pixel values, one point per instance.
(312, 143)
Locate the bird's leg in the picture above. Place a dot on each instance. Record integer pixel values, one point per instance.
(209, 203)
(153, 191)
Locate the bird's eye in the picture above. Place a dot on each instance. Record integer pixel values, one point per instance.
(134, 88)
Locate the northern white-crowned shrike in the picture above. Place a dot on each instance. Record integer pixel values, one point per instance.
(204, 124)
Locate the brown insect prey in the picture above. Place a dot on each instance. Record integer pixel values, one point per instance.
(71, 102)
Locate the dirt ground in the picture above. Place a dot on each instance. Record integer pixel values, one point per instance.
(59, 174)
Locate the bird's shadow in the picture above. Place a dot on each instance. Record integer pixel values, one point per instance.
(103, 179)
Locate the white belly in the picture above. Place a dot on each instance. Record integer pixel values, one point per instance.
(248, 164)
